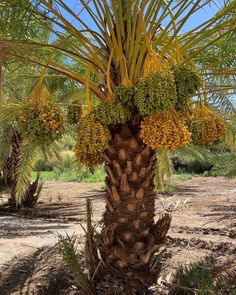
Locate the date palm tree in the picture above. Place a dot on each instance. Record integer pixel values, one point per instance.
(113, 40)
(13, 90)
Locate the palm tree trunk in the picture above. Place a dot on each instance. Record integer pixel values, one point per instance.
(13, 162)
(129, 236)
(7, 171)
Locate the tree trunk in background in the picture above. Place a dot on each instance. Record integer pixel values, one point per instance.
(7, 171)
(130, 237)
(14, 161)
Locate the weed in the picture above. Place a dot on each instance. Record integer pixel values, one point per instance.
(197, 279)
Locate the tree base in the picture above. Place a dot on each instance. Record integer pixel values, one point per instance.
(30, 198)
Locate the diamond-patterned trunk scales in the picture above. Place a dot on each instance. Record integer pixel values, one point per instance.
(130, 237)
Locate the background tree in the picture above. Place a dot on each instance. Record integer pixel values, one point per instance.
(14, 93)
(12, 90)
(139, 63)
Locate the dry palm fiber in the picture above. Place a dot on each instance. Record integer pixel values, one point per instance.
(165, 130)
(207, 126)
(74, 110)
(92, 140)
(40, 96)
(112, 113)
(188, 82)
(40, 119)
(155, 93)
(125, 94)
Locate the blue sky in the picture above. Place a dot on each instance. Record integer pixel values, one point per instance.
(198, 18)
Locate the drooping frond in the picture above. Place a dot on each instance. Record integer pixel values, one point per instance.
(164, 170)
(6, 133)
(51, 150)
(218, 67)
(27, 160)
(9, 113)
(191, 153)
(225, 162)
(231, 136)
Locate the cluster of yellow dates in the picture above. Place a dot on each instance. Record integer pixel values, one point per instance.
(207, 126)
(165, 130)
(167, 127)
(92, 140)
(41, 125)
(163, 98)
(40, 119)
(169, 131)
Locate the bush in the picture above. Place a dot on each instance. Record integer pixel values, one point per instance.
(43, 165)
(198, 279)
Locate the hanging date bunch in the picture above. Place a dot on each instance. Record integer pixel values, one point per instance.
(74, 110)
(92, 140)
(40, 119)
(188, 82)
(125, 94)
(165, 130)
(156, 91)
(207, 127)
(112, 113)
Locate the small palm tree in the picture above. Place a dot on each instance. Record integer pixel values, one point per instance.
(129, 49)
(18, 152)
(10, 161)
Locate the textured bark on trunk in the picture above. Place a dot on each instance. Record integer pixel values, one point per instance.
(130, 237)
(30, 199)
(7, 171)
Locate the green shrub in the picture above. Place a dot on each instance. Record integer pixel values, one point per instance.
(196, 279)
(82, 175)
(44, 165)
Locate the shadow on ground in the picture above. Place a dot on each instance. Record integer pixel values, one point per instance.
(42, 273)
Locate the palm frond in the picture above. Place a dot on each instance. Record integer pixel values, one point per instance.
(27, 160)
(67, 250)
(223, 101)
(5, 140)
(191, 153)
(9, 113)
(51, 150)
(113, 29)
(164, 170)
(225, 162)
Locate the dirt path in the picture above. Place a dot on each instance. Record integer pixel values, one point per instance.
(203, 210)
(60, 211)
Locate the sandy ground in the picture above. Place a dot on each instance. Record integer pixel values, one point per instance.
(204, 223)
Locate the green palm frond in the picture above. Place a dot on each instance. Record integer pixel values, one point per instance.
(224, 100)
(51, 150)
(68, 251)
(9, 113)
(225, 162)
(164, 170)
(5, 142)
(27, 161)
(218, 68)
(191, 153)
(16, 22)
(231, 136)
(118, 37)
